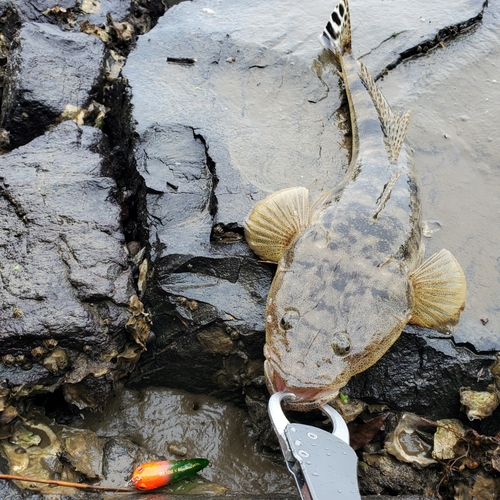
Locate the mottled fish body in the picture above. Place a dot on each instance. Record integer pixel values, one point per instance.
(350, 273)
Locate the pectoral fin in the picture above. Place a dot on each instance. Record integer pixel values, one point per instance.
(439, 291)
(276, 221)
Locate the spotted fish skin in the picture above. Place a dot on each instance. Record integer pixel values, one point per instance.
(343, 289)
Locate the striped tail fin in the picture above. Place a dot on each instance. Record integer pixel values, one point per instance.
(337, 33)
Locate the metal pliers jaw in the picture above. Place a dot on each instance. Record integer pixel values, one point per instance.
(323, 464)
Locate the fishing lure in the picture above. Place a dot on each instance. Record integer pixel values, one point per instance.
(156, 474)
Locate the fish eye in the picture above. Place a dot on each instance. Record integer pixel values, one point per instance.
(289, 319)
(341, 343)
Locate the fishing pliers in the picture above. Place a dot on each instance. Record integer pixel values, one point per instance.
(323, 464)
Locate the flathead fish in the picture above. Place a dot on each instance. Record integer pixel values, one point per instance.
(350, 274)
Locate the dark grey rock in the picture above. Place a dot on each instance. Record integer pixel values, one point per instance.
(423, 372)
(207, 297)
(10, 23)
(116, 22)
(39, 10)
(382, 37)
(66, 281)
(48, 70)
(198, 150)
(236, 96)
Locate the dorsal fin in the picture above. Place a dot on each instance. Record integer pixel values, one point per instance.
(393, 125)
(337, 33)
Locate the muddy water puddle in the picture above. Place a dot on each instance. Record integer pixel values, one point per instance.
(454, 94)
(205, 427)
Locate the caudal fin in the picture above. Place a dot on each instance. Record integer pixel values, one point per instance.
(337, 33)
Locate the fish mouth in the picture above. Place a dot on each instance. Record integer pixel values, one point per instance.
(306, 399)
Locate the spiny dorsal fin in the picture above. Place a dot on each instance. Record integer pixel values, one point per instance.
(337, 33)
(394, 126)
(276, 221)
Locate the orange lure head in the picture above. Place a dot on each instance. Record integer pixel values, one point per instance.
(156, 474)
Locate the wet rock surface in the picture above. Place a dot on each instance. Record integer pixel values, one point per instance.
(207, 290)
(48, 70)
(66, 281)
(423, 372)
(47, 10)
(207, 293)
(394, 38)
(226, 108)
(71, 15)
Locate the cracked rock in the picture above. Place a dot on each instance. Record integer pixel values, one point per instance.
(206, 297)
(235, 95)
(66, 282)
(394, 38)
(48, 70)
(44, 10)
(423, 373)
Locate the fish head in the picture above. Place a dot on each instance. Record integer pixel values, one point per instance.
(328, 319)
